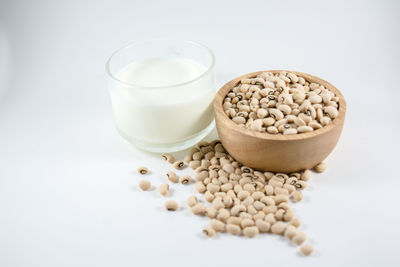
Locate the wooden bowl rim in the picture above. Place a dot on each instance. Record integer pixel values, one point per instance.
(223, 91)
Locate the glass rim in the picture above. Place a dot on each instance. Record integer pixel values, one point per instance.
(208, 70)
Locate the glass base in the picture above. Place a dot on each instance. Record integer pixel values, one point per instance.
(172, 147)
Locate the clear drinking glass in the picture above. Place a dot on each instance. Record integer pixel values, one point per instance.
(162, 93)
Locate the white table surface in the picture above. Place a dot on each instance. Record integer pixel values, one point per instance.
(68, 187)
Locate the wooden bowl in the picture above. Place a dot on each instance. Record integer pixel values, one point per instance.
(277, 153)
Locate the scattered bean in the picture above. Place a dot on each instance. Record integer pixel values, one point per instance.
(142, 170)
(171, 205)
(163, 189)
(145, 185)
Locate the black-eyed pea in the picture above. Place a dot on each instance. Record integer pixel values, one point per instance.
(297, 196)
(280, 122)
(223, 214)
(331, 111)
(237, 188)
(205, 163)
(221, 195)
(246, 223)
(315, 99)
(299, 238)
(259, 175)
(259, 215)
(187, 158)
(270, 218)
(306, 175)
(198, 209)
(280, 190)
(288, 215)
(214, 161)
(244, 215)
(321, 167)
(142, 170)
(145, 185)
(278, 228)
(291, 181)
(186, 179)
(258, 205)
(222, 173)
(248, 201)
(194, 164)
(263, 226)
(191, 201)
(217, 225)
(284, 205)
(228, 201)
(315, 125)
(276, 114)
(262, 113)
(269, 190)
(251, 210)
(218, 204)
(300, 185)
(280, 198)
(249, 187)
(231, 194)
(295, 222)
(228, 168)
(207, 181)
(234, 177)
(198, 156)
(293, 77)
(212, 174)
(226, 187)
(325, 120)
(307, 119)
(237, 209)
(179, 165)
(201, 169)
(290, 131)
(286, 110)
(163, 189)
(234, 220)
(251, 231)
(289, 188)
(209, 197)
(272, 130)
(209, 232)
(257, 195)
(169, 158)
(268, 121)
(279, 214)
(171, 205)
(233, 229)
(224, 180)
(290, 231)
(274, 183)
(267, 200)
(305, 129)
(213, 188)
(200, 176)
(270, 209)
(200, 187)
(306, 250)
(239, 120)
(172, 176)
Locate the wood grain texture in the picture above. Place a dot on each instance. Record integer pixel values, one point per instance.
(278, 153)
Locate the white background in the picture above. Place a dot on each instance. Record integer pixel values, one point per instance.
(68, 187)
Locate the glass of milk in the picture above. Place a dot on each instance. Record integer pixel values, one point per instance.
(162, 93)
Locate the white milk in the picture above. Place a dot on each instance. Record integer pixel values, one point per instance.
(155, 110)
